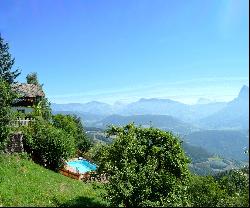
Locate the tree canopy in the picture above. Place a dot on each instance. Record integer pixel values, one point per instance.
(73, 125)
(32, 78)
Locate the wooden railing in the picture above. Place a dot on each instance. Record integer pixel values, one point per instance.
(21, 122)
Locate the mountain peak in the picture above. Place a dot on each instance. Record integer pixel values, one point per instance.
(244, 92)
(95, 102)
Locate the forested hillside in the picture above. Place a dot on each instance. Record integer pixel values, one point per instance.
(227, 143)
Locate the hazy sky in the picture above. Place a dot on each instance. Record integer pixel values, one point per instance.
(123, 50)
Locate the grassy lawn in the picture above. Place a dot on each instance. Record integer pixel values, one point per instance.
(24, 183)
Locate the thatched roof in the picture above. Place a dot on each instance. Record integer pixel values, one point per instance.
(28, 90)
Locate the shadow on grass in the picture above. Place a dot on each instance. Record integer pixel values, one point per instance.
(83, 202)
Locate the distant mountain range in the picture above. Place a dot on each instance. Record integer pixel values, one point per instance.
(204, 101)
(144, 106)
(92, 107)
(205, 114)
(164, 122)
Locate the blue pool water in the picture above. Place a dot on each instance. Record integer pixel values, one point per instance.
(82, 165)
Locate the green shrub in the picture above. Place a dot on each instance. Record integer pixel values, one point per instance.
(48, 145)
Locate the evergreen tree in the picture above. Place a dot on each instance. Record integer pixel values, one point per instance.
(6, 98)
(6, 63)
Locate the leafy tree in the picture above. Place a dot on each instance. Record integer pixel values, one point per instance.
(83, 141)
(48, 145)
(6, 63)
(94, 151)
(6, 98)
(147, 167)
(204, 191)
(73, 126)
(234, 180)
(236, 185)
(225, 189)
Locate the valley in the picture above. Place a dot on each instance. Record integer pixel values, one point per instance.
(215, 135)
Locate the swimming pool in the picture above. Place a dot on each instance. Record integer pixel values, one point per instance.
(82, 166)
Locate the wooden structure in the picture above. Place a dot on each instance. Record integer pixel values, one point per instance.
(85, 177)
(71, 174)
(29, 95)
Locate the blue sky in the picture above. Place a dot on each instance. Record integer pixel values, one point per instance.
(117, 50)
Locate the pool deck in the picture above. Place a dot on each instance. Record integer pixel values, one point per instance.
(72, 172)
(66, 167)
(88, 176)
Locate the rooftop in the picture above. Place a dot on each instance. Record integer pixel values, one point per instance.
(28, 90)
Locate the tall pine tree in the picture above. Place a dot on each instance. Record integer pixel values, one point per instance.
(6, 63)
(6, 98)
